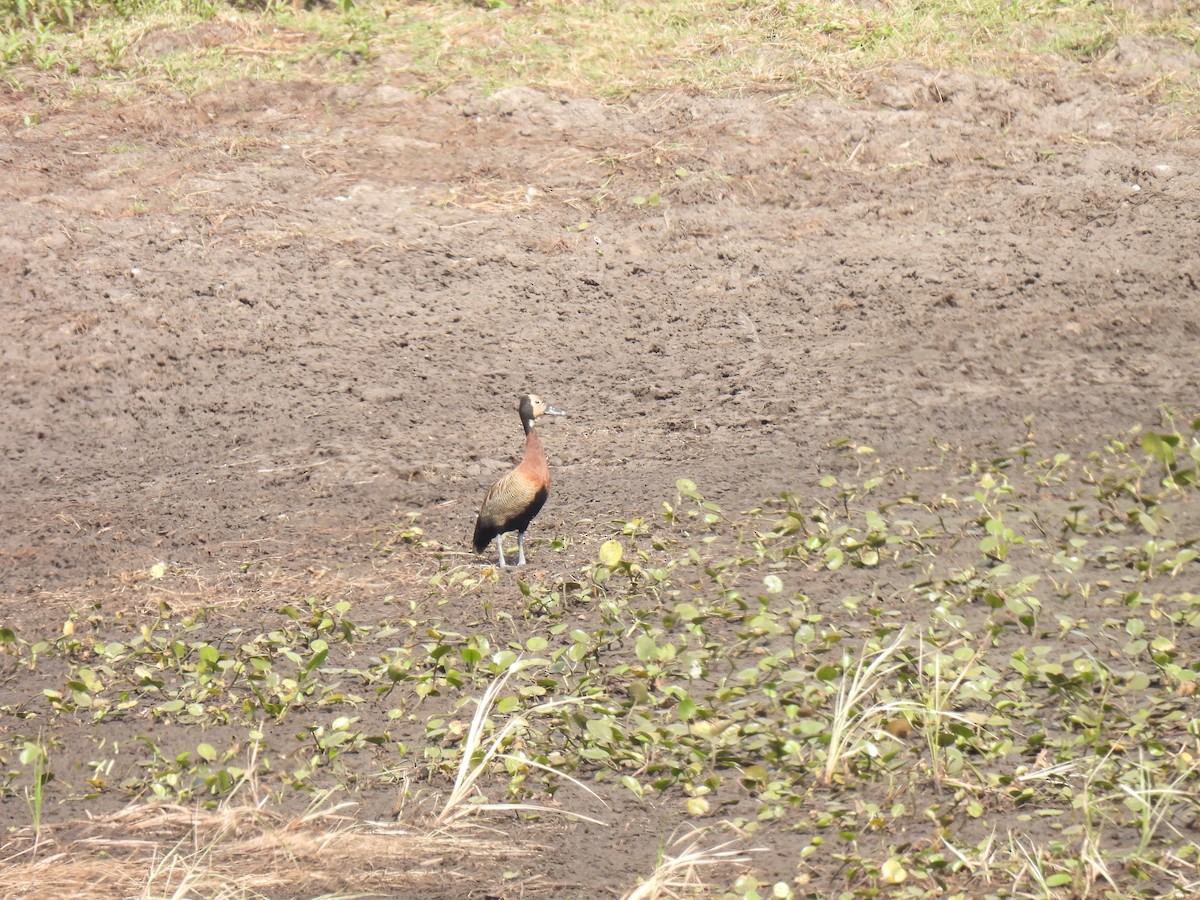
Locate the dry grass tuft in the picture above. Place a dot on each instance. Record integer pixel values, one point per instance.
(679, 869)
(478, 755)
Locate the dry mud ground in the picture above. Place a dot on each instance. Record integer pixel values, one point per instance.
(246, 334)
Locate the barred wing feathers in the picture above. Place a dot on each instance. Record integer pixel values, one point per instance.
(509, 505)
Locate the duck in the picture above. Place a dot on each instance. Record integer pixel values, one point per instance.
(512, 502)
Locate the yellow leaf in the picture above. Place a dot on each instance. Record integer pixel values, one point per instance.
(892, 871)
(610, 553)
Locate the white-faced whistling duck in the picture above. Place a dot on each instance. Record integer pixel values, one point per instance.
(512, 502)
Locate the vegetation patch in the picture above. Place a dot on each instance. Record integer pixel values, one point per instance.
(984, 691)
(199, 45)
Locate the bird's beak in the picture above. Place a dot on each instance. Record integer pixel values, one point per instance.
(555, 411)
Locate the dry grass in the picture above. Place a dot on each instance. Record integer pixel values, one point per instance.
(235, 851)
(241, 848)
(680, 870)
(478, 756)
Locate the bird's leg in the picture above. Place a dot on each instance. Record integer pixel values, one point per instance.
(500, 550)
(520, 548)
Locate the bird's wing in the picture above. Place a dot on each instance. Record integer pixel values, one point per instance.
(508, 497)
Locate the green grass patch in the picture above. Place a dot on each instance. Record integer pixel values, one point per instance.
(606, 49)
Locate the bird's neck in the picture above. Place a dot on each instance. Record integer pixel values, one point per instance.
(527, 424)
(534, 455)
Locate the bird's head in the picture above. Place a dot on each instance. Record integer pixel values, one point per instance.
(533, 407)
